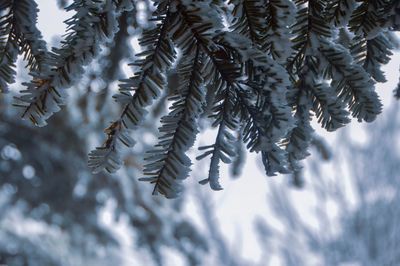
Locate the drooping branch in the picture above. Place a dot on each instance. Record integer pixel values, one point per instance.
(168, 164)
(146, 84)
(19, 35)
(93, 24)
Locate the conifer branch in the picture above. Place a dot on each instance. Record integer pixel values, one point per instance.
(31, 44)
(352, 82)
(222, 149)
(298, 140)
(330, 111)
(309, 27)
(19, 35)
(146, 84)
(368, 18)
(248, 20)
(279, 115)
(8, 45)
(93, 24)
(264, 70)
(371, 54)
(341, 11)
(220, 71)
(393, 16)
(168, 164)
(280, 15)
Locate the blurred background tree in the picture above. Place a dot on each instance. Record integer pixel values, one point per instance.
(354, 214)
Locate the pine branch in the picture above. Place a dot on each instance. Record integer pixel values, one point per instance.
(249, 20)
(31, 44)
(168, 164)
(393, 16)
(298, 140)
(341, 11)
(279, 114)
(93, 24)
(270, 119)
(267, 122)
(222, 149)
(146, 84)
(8, 45)
(368, 17)
(330, 110)
(107, 157)
(280, 15)
(219, 70)
(119, 49)
(372, 54)
(310, 26)
(352, 82)
(258, 132)
(258, 64)
(370, 47)
(19, 35)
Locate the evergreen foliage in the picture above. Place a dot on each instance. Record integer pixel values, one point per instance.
(260, 69)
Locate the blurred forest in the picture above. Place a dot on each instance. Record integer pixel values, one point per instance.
(54, 211)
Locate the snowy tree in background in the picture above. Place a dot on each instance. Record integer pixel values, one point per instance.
(362, 191)
(261, 69)
(45, 182)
